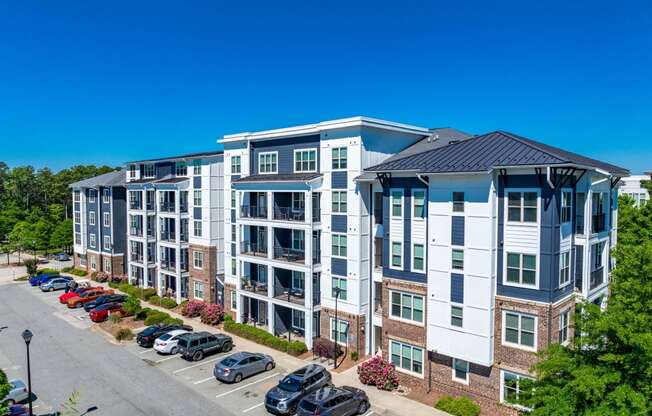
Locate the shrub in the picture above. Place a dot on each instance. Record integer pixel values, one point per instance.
(355, 355)
(32, 266)
(263, 337)
(154, 300)
(172, 321)
(212, 314)
(458, 406)
(100, 277)
(115, 318)
(131, 306)
(168, 303)
(325, 348)
(119, 278)
(378, 372)
(78, 272)
(156, 317)
(93, 276)
(297, 348)
(192, 308)
(48, 270)
(147, 293)
(113, 285)
(142, 314)
(124, 334)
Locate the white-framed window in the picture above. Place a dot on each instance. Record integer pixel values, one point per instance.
(93, 263)
(91, 240)
(196, 167)
(148, 170)
(418, 204)
(82, 260)
(107, 265)
(460, 371)
(234, 300)
(566, 206)
(563, 326)
(181, 168)
(234, 267)
(106, 218)
(106, 195)
(396, 198)
(233, 233)
(397, 255)
(406, 357)
(564, 268)
(196, 197)
(457, 316)
(298, 201)
(198, 291)
(520, 330)
(406, 306)
(511, 391)
(458, 201)
(457, 259)
(77, 218)
(91, 218)
(107, 243)
(339, 330)
(339, 245)
(339, 201)
(522, 207)
(198, 259)
(339, 282)
(339, 158)
(298, 319)
(76, 196)
(132, 171)
(78, 238)
(305, 160)
(233, 199)
(298, 240)
(92, 193)
(267, 162)
(298, 280)
(196, 228)
(418, 258)
(521, 270)
(235, 165)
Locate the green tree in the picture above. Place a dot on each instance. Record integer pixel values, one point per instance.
(4, 390)
(62, 235)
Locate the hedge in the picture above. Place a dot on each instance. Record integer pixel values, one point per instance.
(155, 317)
(263, 337)
(48, 270)
(78, 272)
(168, 303)
(458, 406)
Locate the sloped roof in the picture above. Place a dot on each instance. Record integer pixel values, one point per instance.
(490, 151)
(438, 137)
(181, 157)
(115, 178)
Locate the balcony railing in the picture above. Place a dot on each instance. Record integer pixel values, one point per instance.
(316, 256)
(316, 214)
(168, 207)
(253, 211)
(136, 232)
(151, 232)
(170, 266)
(290, 294)
(289, 214)
(597, 278)
(579, 224)
(598, 223)
(183, 208)
(138, 258)
(184, 237)
(289, 254)
(253, 249)
(150, 206)
(254, 286)
(135, 205)
(169, 237)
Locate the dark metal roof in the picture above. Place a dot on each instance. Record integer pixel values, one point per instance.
(115, 178)
(438, 137)
(489, 151)
(186, 156)
(174, 179)
(169, 179)
(294, 177)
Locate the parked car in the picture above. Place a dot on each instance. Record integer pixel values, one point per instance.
(334, 401)
(195, 346)
(17, 410)
(39, 278)
(101, 313)
(17, 392)
(63, 298)
(167, 343)
(147, 336)
(58, 283)
(87, 296)
(240, 365)
(88, 306)
(284, 398)
(61, 257)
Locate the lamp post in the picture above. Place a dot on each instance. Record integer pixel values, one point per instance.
(27, 337)
(336, 292)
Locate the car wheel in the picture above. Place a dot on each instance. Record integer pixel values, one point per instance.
(198, 356)
(237, 378)
(173, 350)
(10, 402)
(227, 347)
(362, 409)
(269, 367)
(50, 289)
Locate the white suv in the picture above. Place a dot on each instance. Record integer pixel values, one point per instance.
(167, 343)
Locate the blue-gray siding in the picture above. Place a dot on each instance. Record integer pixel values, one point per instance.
(196, 213)
(457, 288)
(285, 149)
(196, 182)
(339, 180)
(338, 266)
(457, 230)
(338, 223)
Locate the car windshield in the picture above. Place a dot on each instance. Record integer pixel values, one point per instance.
(229, 362)
(290, 383)
(308, 406)
(165, 337)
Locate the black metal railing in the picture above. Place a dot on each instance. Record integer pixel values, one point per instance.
(135, 205)
(579, 224)
(183, 208)
(254, 286)
(598, 223)
(169, 236)
(184, 237)
(253, 249)
(597, 278)
(253, 211)
(170, 266)
(289, 214)
(168, 207)
(316, 296)
(136, 232)
(289, 254)
(290, 294)
(136, 257)
(316, 214)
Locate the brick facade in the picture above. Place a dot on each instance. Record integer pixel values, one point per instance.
(206, 274)
(77, 262)
(413, 334)
(356, 336)
(228, 290)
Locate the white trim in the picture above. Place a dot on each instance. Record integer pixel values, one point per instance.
(424, 357)
(194, 259)
(568, 257)
(400, 318)
(340, 235)
(425, 204)
(458, 380)
(521, 191)
(504, 330)
(423, 245)
(568, 316)
(294, 160)
(391, 204)
(391, 255)
(502, 388)
(264, 154)
(339, 148)
(330, 330)
(194, 289)
(521, 254)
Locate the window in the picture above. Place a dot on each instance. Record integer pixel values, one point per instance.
(298, 282)
(235, 165)
(107, 265)
(199, 290)
(233, 198)
(419, 204)
(406, 357)
(82, 260)
(397, 254)
(234, 300)
(457, 316)
(233, 233)
(339, 201)
(198, 259)
(339, 283)
(91, 240)
(522, 207)
(339, 330)
(298, 201)
(519, 330)
(298, 319)
(521, 269)
(564, 268)
(418, 263)
(91, 218)
(566, 206)
(457, 259)
(91, 195)
(267, 162)
(563, 326)
(77, 218)
(305, 160)
(107, 243)
(76, 196)
(132, 171)
(93, 263)
(461, 371)
(339, 245)
(339, 158)
(196, 200)
(406, 306)
(512, 392)
(106, 195)
(78, 239)
(458, 201)
(196, 232)
(298, 241)
(181, 169)
(106, 219)
(397, 203)
(234, 267)
(148, 171)
(196, 167)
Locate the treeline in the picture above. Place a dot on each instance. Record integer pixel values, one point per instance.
(36, 206)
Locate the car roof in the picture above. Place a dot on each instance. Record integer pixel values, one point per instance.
(177, 332)
(17, 383)
(243, 354)
(308, 370)
(327, 393)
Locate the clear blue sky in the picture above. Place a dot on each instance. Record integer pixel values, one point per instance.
(106, 82)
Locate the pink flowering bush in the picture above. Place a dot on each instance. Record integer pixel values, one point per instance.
(212, 314)
(193, 308)
(322, 347)
(378, 372)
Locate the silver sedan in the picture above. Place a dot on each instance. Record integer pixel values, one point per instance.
(17, 393)
(240, 365)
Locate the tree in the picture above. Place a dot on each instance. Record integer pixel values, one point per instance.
(61, 236)
(607, 368)
(32, 266)
(4, 390)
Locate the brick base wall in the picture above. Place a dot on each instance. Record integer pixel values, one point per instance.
(356, 338)
(228, 288)
(206, 274)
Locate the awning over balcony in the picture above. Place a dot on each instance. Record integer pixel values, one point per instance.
(277, 182)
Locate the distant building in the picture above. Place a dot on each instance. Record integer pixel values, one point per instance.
(631, 186)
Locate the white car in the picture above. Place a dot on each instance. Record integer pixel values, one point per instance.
(167, 343)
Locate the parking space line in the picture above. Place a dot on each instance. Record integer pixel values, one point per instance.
(247, 385)
(196, 365)
(165, 359)
(253, 407)
(369, 413)
(147, 351)
(204, 380)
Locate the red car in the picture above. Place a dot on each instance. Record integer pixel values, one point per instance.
(101, 313)
(64, 297)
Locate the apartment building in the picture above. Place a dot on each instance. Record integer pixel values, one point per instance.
(485, 244)
(175, 225)
(632, 187)
(99, 223)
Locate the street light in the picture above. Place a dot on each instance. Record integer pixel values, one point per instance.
(27, 337)
(336, 291)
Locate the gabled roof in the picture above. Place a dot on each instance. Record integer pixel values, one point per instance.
(498, 149)
(115, 178)
(438, 137)
(181, 157)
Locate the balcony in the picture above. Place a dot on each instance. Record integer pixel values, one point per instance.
(170, 266)
(316, 214)
(136, 257)
(169, 237)
(316, 256)
(137, 204)
(378, 306)
(290, 294)
(254, 286)
(378, 253)
(579, 224)
(135, 231)
(289, 254)
(253, 249)
(253, 211)
(598, 223)
(168, 207)
(289, 214)
(597, 278)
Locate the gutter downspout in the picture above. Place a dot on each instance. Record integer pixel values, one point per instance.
(371, 329)
(552, 186)
(420, 177)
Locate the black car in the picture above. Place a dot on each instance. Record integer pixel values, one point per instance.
(197, 345)
(284, 398)
(148, 335)
(334, 401)
(89, 306)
